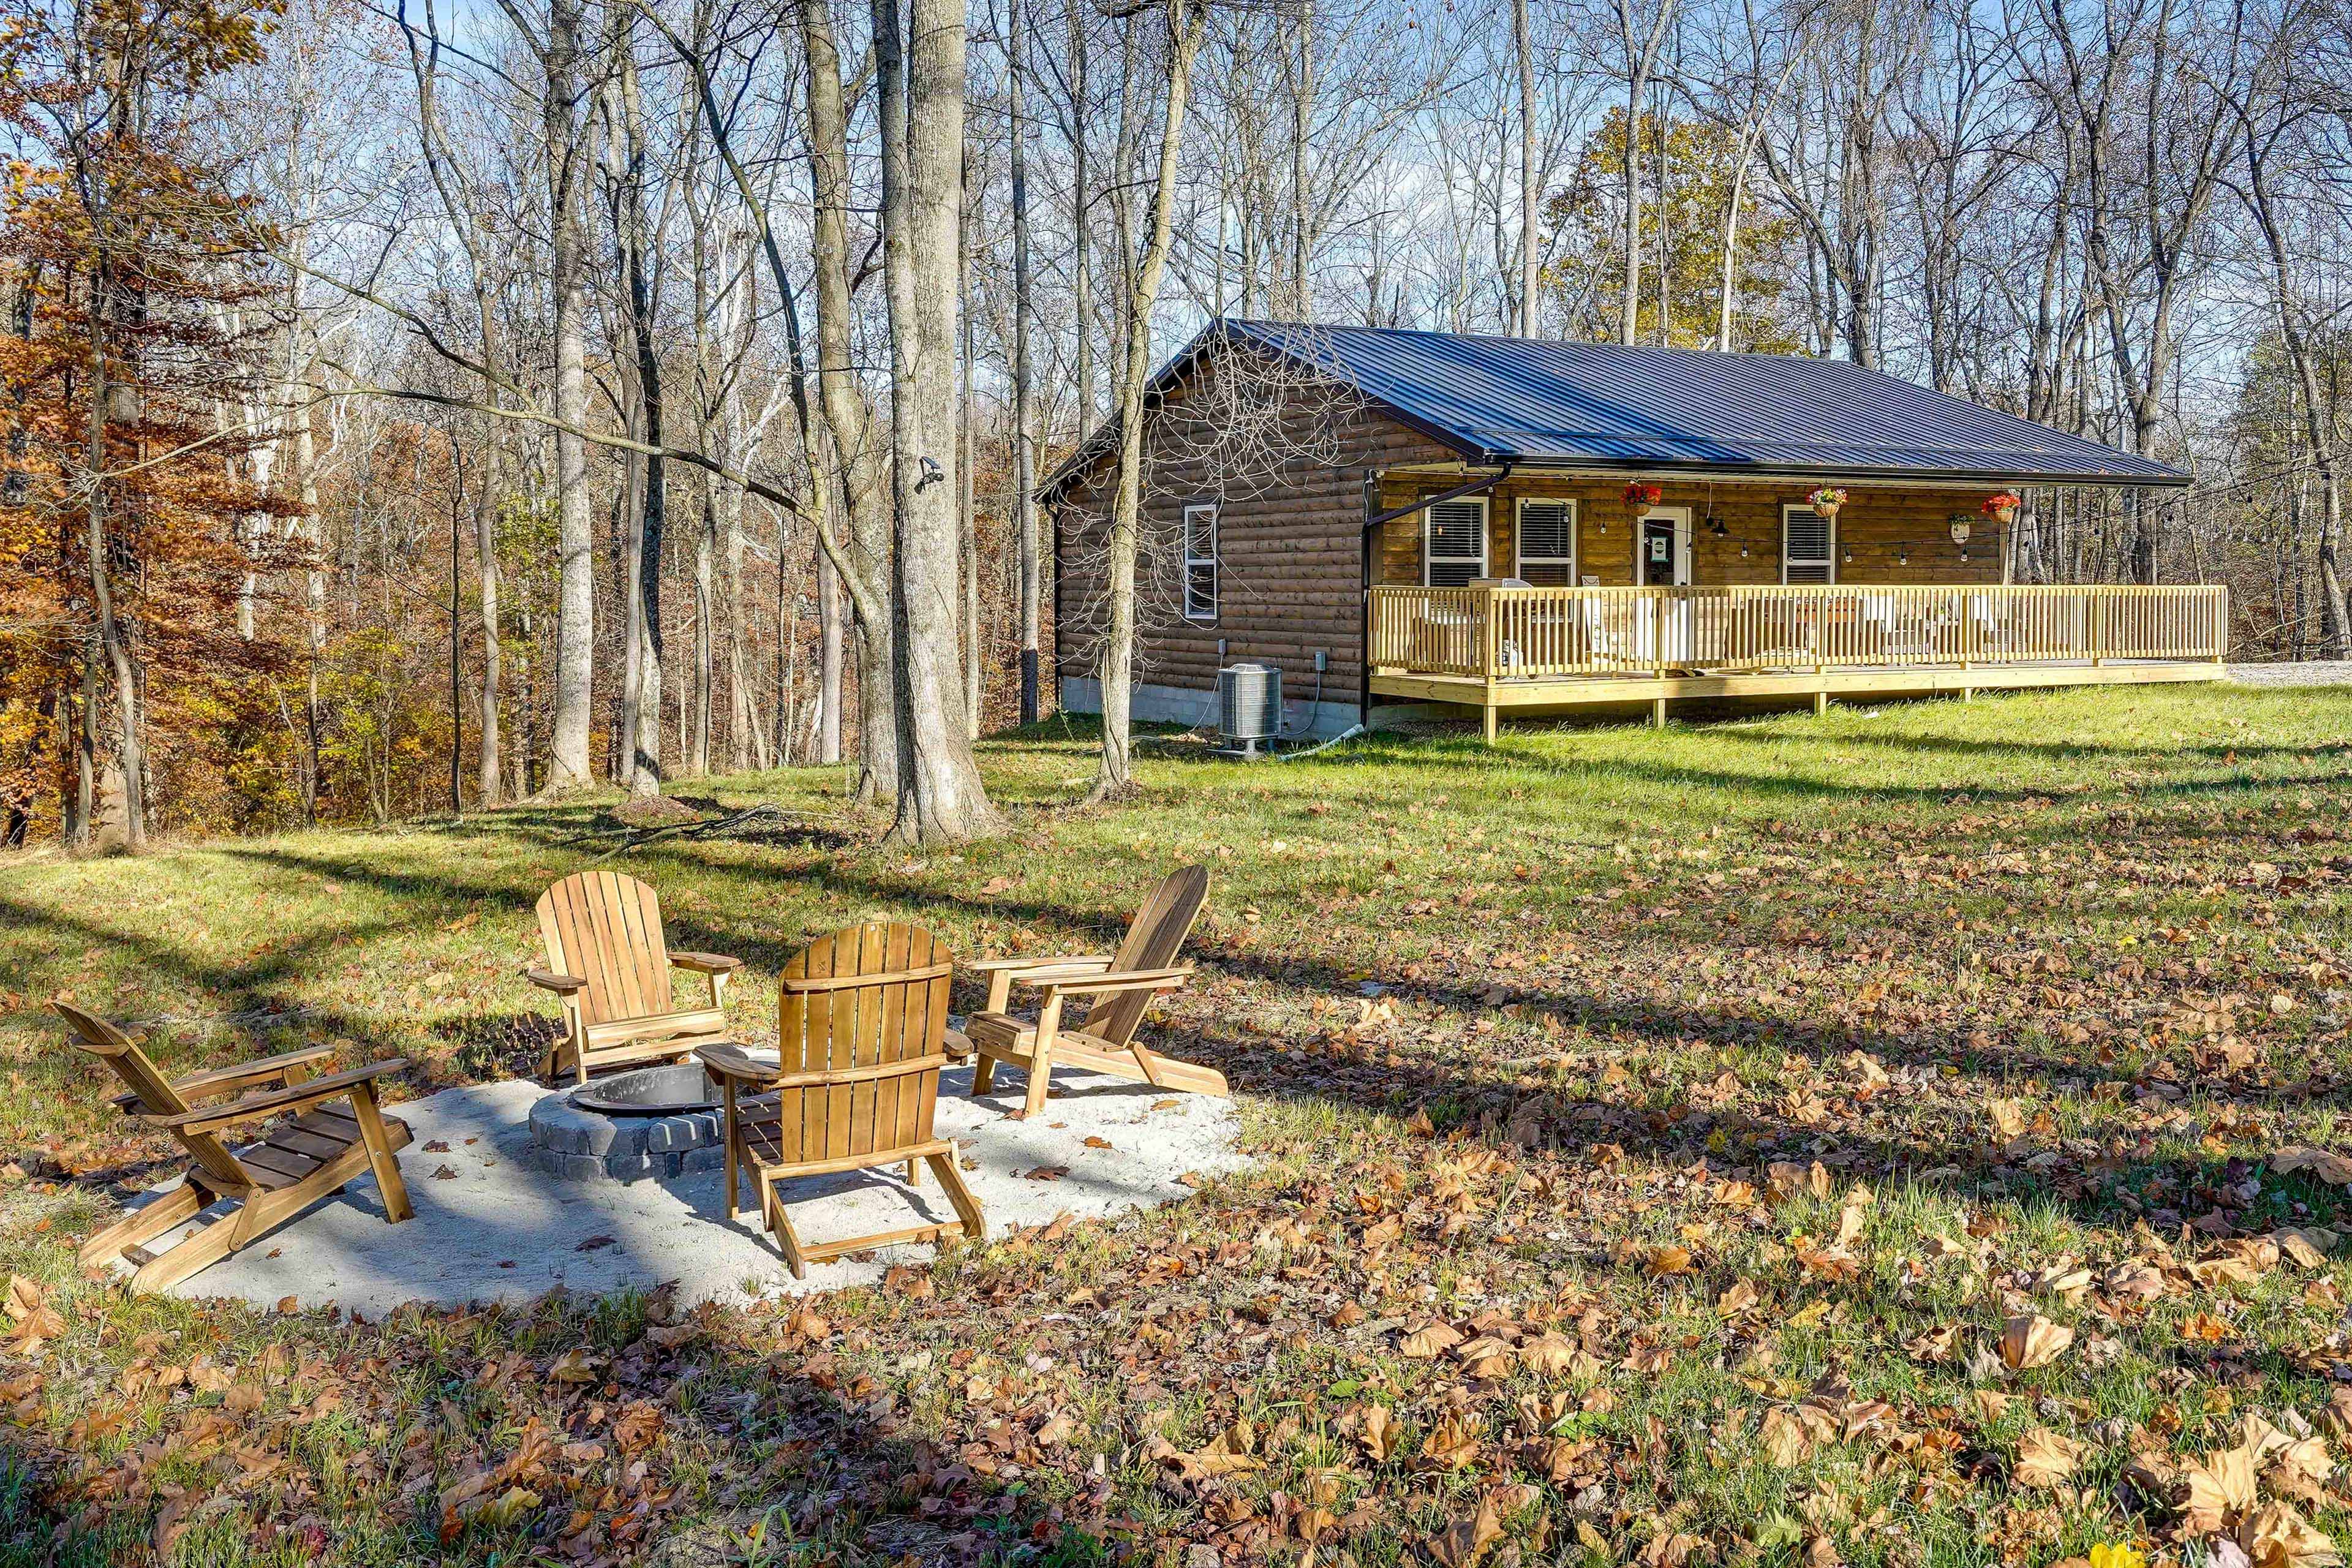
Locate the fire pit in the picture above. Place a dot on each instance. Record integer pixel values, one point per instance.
(650, 1091)
(651, 1122)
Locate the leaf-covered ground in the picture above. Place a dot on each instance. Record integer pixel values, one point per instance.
(1914, 1137)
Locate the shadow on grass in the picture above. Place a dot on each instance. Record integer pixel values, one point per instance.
(765, 1431)
(1470, 1095)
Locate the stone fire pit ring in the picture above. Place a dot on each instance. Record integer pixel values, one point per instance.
(650, 1124)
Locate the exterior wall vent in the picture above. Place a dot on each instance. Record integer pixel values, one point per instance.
(1249, 705)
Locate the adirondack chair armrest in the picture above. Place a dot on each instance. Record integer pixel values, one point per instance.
(561, 984)
(276, 1101)
(1057, 982)
(733, 1062)
(225, 1080)
(706, 963)
(1014, 966)
(1002, 971)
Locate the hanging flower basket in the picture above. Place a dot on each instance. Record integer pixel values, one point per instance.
(1641, 494)
(1826, 501)
(2002, 508)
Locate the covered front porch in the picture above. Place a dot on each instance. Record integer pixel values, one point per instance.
(1554, 649)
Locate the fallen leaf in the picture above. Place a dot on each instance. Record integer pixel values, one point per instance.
(2335, 1170)
(1464, 1540)
(2044, 1459)
(1432, 1340)
(2221, 1488)
(2032, 1340)
(2276, 1536)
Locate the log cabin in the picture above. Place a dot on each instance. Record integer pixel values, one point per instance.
(1413, 522)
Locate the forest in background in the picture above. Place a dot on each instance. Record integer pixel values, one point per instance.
(410, 408)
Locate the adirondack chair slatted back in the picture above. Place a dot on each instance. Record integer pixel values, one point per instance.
(156, 1096)
(1152, 941)
(830, 1028)
(607, 929)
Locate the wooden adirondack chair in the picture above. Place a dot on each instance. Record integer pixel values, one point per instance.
(863, 1015)
(314, 1155)
(610, 964)
(1123, 985)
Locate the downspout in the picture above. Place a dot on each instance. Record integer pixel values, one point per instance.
(1375, 519)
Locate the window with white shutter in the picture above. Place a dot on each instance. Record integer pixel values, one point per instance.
(1548, 544)
(1454, 542)
(1200, 562)
(1807, 543)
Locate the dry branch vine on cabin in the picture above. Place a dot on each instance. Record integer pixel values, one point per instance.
(1238, 430)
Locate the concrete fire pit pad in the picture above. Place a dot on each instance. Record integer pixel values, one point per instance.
(489, 1226)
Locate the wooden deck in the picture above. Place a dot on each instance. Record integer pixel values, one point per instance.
(1530, 650)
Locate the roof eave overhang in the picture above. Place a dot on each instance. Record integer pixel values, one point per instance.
(1765, 473)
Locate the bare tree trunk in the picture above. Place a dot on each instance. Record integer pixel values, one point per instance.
(1115, 773)
(1641, 58)
(706, 609)
(1081, 270)
(1024, 477)
(969, 533)
(921, 98)
(828, 656)
(490, 778)
(846, 414)
(114, 645)
(84, 817)
(2318, 427)
(576, 610)
(641, 699)
(1523, 38)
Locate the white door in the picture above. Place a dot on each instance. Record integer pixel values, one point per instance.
(1649, 570)
(1662, 558)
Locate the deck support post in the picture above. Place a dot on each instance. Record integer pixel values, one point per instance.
(1491, 713)
(1657, 713)
(1967, 694)
(1820, 701)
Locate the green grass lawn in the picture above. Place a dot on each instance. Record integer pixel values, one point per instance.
(1693, 1147)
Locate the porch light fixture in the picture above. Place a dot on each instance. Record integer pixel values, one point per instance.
(1847, 558)
(1902, 555)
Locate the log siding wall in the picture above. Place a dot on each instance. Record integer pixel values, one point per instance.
(1288, 577)
(1287, 543)
(1876, 523)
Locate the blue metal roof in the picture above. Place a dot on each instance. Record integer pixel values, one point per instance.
(1522, 400)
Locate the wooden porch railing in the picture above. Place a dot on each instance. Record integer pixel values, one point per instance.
(1506, 633)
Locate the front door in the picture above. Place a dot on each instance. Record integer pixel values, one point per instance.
(1662, 560)
(1665, 560)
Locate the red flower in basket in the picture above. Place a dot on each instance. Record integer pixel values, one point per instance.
(1641, 494)
(2002, 506)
